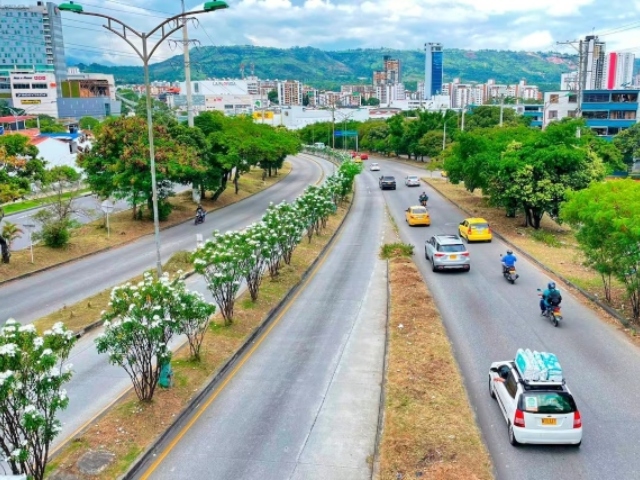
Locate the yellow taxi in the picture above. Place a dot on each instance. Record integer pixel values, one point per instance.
(357, 159)
(475, 230)
(417, 216)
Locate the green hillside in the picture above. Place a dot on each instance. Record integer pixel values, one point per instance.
(327, 69)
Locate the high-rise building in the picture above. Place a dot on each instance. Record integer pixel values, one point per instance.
(591, 70)
(619, 70)
(390, 73)
(31, 39)
(290, 92)
(434, 70)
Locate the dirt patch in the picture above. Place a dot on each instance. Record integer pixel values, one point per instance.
(553, 245)
(429, 428)
(130, 427)
(92, 237)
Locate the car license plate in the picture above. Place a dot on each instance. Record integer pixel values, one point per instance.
(478, 230)
(549, 421)
(453, 257)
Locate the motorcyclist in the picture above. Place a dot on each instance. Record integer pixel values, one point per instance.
(550, 298)
(424, 198)
(200, 211)
(509, 260)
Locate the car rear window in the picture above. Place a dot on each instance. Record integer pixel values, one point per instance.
(451, 248)
(389, 179)
(479, 225)
(548, 402)
(413, 178)
(419, 210)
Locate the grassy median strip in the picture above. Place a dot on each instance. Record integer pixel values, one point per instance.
(11, 208)
(553, 245)
(429, 428)
(92, 237)
(130, 426)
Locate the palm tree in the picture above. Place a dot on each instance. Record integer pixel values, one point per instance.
(11, 232)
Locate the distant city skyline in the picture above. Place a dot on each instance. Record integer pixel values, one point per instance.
(341, 25)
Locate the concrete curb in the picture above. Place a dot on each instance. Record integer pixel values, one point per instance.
(614, 313)
(375, 470)
(111, 247)
(88, 194)
(155, 448)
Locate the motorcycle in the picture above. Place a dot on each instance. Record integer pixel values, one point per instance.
(200, 218)
(510, 273)
(553, 313)
(423, 202)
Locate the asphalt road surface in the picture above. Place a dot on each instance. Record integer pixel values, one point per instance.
(33, 297)
(96, 384)
(305, 404)
(488, 319)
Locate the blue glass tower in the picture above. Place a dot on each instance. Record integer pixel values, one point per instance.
(434, 70)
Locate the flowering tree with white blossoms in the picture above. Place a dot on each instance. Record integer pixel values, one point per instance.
(252, 254)
(286, 221)
(193, 315)
(32, 375)
(308, 204)
(219, 261)
(139, 323)
(269, 244)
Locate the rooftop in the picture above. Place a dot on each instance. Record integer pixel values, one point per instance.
(19, 118)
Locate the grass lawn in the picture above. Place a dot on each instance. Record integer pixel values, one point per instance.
(11, 208)
(429, 430)
(130, 426)
(92, 237)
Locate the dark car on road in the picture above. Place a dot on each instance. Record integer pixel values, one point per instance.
(387, 182)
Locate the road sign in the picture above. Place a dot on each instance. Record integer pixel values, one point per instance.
(107, 206)
(346, 133)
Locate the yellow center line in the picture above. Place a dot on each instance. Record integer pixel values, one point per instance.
(235, 370)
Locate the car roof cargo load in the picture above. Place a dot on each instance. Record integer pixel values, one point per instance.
(538, 368)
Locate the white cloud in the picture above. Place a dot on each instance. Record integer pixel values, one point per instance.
(539, 40)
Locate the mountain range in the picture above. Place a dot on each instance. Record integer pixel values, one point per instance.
(330, 69)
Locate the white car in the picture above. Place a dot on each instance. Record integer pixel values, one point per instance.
(540, 412)
(412, 181)
(374, 167)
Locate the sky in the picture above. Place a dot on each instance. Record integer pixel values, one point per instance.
(534, 25)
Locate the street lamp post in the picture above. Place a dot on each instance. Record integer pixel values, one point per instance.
(172, 24)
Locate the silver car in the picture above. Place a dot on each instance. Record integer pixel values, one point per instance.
(447, 252)
(412, 181)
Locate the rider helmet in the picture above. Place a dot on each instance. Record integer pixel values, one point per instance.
(551, 286)
(509, 252)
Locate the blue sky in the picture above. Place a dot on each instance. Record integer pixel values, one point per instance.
(404, 24)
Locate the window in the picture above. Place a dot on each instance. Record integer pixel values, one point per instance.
(573, 98)
(599, 114)
(511, 385)
(596, 97)
(554, 98)
(451, 248)
(622, 115)
(21, 86)
(553, 114)
(549, 402)
(196, 87)
(573, 113)
(624, 97)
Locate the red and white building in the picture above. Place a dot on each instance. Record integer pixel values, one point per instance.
(618, 70)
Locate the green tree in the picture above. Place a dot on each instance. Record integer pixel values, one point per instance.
(606, 217)
(88, 123)
(484, 116)
(118, 163)
(62, 173)
(48, 124)
(273, 96)
(628, 142)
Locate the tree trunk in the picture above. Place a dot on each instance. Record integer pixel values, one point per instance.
(236, 177)
(534, 216)
(4, 249)
(222, 187)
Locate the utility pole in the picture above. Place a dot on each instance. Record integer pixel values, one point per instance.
(582, 70)
(501, 109)
(187, 66)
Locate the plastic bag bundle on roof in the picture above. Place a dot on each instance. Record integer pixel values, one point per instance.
(538, 366)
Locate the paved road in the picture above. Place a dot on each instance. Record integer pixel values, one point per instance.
(95, 383)
(305, 404)
(488, 319)
(87, 209)
(33, 297)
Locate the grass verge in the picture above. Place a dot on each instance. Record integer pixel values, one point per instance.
(130, 427)
(11, 208)
(92, 237)
(429, 428)
(553, 245)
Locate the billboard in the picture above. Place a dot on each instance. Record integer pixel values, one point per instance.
(30, 102)
(267, 115)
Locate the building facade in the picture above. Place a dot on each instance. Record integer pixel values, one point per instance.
(434, 70)
(32, 39)
(290, 93)
(591, 71)
(619, 70)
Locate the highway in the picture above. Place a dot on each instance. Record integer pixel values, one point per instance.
(488, 319)
(305, 404)
(96, 384)
(33, 297)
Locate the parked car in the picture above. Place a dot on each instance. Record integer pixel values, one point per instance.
(387, 183)
(538, 412)
(475, 230)
(374, 167)
(447, 252)
(417, 215)
(412, 181)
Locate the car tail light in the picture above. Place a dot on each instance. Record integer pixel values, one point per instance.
(577, 420)
(469, 231)
(465, 254)
(518, 421)
(488, 228)
(556, 309)
(439, 254)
